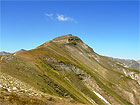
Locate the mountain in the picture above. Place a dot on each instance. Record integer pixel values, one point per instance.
(20, 50)
(128, 63)
(3, 53)
(66, 71)
(138, 61)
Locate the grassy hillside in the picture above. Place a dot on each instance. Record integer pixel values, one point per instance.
(69, 71)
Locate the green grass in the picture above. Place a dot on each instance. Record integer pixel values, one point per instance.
(64, 83)
(32, 68)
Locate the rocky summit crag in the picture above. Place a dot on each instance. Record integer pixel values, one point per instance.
(66, 71)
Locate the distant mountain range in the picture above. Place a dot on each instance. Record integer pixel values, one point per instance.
(3, 53)
(129, 63)
(66, 71)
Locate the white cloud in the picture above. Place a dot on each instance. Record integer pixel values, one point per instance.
(63, 18)
(59, 17)
(48, 14)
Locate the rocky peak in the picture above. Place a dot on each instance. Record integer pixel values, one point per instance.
(20, 50)
(65, 39)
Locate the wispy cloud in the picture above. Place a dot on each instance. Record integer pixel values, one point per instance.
(64, 18)
(48, 14)
(59, 17)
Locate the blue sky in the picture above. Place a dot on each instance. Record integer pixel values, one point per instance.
(111, 28)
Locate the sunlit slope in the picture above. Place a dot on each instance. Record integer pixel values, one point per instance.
(66, 67)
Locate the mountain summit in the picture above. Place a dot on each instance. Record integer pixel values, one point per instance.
(65, 39)
(66, 71)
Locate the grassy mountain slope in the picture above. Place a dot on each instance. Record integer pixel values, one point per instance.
(67, 69)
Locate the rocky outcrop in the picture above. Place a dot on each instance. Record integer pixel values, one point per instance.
(13, 85)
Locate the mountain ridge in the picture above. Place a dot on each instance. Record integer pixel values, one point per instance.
(4, 52)
(68, 68)
(130, 63)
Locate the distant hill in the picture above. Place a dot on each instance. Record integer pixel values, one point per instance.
(3, 53)
(21, 50)
(129, 63)
(138, 61)
(66, 71)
